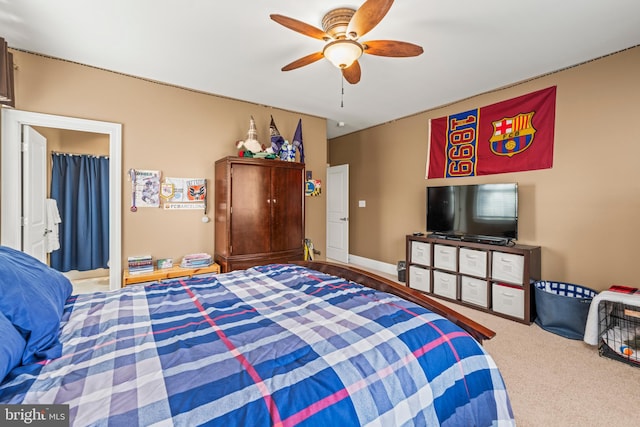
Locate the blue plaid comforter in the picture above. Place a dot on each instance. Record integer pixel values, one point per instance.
(277, 345)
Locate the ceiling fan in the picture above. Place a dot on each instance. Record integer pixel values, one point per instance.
(341, 32)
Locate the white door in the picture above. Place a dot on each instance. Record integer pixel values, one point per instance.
(338, 213)
(34, 180)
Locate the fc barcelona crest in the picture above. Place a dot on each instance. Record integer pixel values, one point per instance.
(512, 135)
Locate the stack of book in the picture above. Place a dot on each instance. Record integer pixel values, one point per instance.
(140, 264)
(196, 260)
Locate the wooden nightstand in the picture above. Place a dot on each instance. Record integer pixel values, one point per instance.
(167, 273)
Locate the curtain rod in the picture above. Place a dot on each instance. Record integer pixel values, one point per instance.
(79, 154)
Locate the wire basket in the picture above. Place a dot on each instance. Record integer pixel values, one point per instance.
(619, 331)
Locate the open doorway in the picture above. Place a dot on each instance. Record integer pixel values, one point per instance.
(79, 160)
(13, 122)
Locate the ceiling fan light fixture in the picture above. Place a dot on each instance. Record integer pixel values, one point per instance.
(342, 53)
(341, 32)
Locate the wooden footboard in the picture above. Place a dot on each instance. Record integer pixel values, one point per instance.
(380, 283)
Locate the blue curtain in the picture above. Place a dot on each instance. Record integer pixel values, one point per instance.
(80, 186)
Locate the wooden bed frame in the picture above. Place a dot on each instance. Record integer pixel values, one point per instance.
(477, 331)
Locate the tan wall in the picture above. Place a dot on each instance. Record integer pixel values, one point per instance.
(75, 142)
(583, 212)
(177, 131)
(72, 142)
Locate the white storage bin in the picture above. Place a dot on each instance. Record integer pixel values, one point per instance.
(508, 300)
(445, 257)
(419, 278)
(420, 253)
(474, 291)
(507, 267)
(473, 262)
(445, 284)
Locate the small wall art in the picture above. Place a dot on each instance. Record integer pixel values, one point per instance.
(312, 187)
(145, 188)
(184, 193)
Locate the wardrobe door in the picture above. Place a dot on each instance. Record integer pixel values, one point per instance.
(287, 208)
(250, 209)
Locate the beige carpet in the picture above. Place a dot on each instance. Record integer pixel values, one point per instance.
(555, 381)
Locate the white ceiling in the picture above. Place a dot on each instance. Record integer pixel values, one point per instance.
(234, 49)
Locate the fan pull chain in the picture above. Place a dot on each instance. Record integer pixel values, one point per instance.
(342, 94)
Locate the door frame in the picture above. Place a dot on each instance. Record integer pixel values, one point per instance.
(11, 174)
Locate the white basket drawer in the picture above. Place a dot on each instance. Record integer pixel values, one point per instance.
(508, 268)
(445, 257)
(445, 284)
(474, 291)
(508, 300)
(420, 253)
(473, 262)
(419, 278)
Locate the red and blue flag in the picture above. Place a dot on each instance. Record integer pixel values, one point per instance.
(510, 136)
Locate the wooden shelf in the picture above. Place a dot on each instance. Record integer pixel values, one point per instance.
(492, 278)
(167, 273)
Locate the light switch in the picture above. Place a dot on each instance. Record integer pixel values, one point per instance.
(362, 203)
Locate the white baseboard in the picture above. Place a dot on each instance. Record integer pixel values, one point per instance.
(383, 267)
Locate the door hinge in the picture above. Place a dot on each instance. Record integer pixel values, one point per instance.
(24, 147)
(23, 221)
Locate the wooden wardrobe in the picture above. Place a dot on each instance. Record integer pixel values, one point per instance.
(259, 212)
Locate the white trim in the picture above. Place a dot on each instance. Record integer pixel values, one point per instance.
(372, 264)
(10, 223)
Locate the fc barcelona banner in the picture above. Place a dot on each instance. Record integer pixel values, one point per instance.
(510, 136)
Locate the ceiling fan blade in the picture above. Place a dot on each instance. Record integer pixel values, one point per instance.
(301, 27)
(305, 60)
(367, 17)
(352, 73)
(391, 48)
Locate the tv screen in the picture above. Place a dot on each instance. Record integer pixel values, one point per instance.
(481, 210)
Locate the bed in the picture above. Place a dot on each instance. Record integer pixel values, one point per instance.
(277, 345)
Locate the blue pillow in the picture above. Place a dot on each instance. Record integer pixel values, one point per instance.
(32, 298)
(11, 347)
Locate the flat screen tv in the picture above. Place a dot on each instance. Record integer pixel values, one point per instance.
(474, 212)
